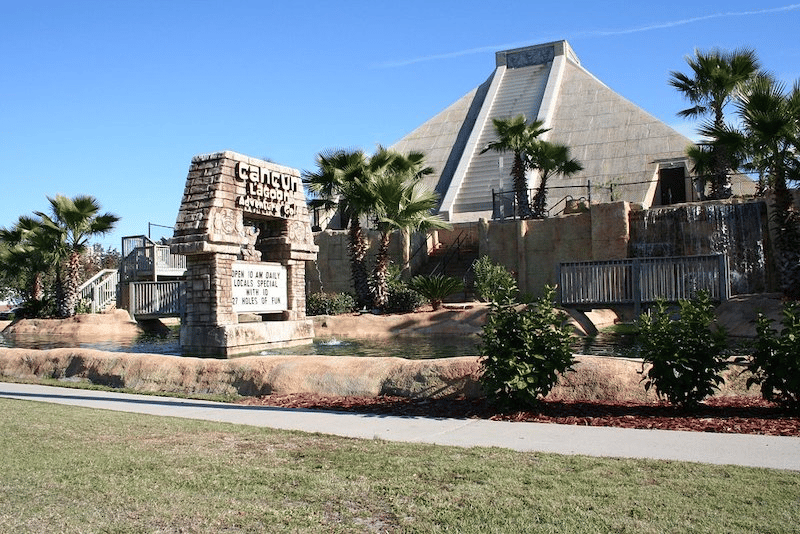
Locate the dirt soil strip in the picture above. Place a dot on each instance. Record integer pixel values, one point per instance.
(735, 415)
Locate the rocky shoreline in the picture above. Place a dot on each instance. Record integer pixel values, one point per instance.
(595, 378)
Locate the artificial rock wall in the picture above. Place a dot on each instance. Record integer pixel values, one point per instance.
(531, 249)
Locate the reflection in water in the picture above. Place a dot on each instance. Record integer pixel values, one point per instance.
(168, 345)
(414, 348)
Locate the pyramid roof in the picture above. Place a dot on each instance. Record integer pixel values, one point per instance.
(621, 147)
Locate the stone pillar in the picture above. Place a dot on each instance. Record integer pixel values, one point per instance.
(244, 214)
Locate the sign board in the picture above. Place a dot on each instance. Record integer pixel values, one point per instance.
(258, 287)
(267, 192)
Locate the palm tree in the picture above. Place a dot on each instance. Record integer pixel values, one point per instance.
(27, 255)
(770, 120)
(550, 159)
(717, 78)
(342, 181)
(73, 221)
(769, 142)
(515, 135)
(402, 204)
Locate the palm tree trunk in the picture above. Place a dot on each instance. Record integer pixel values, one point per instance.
(721, 183)
(539, 210)
(787, 242)
(71, 283)
(380, 283)
(358, 248)
(521, 187)
(36, 286)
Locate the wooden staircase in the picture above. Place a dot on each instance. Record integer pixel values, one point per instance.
(100, 291)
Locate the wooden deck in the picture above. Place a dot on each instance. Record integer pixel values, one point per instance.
(151, 279)
(143, 259)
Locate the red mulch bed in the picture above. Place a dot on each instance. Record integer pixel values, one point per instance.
(739, 415)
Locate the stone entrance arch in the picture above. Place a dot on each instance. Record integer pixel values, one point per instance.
(243, 226)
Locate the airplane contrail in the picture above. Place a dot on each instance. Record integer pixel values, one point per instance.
(589, 34)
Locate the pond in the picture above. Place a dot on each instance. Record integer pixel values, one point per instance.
(415, 348)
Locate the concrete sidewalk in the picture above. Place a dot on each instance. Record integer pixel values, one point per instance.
(776, 452)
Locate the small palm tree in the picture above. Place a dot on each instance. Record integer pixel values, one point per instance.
(515, 135)
(435, 287)
(73, 221)
(401, 205)
(551, 159)
(717, 79)
(770, 119)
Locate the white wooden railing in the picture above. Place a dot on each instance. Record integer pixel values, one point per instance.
(156, 299)
(100, 290)
(142, 258)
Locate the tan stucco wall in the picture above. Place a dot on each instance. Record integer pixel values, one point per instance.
(532, 249)
(331, 271)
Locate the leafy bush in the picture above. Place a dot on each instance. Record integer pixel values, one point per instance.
(493, 283)
(403, 299)
(776, 358)
(687, 354)
(525, 348)
(36, 309)
(435, 287)
(83, 307)
(329, 303)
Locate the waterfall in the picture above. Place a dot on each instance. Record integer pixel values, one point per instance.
(738, 230)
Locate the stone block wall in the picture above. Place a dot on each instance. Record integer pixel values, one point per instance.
(241, 209)
(330, 272)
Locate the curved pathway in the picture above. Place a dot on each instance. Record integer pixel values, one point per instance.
(775, 452)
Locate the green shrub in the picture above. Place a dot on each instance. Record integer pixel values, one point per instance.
(83, 307)
(493, 283)
(525, 348)
(36, 309)
(687, 354)
(329, 303)
(403, 299)
(435, 287)
(775, 359)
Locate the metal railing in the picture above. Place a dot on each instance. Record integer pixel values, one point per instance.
(453, 251)
(156, 299)
(100, 290)
(639, 281)
(505, 205)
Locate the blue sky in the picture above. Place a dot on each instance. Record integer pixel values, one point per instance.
(113, 98)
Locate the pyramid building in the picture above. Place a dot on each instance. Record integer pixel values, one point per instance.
(626, 153)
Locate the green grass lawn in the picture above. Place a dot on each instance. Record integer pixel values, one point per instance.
(69, 469)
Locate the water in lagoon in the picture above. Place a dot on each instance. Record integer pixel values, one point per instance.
(415, 348)
(143, 344)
